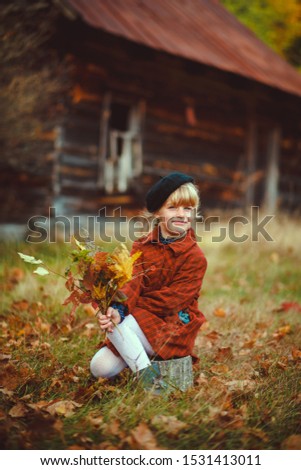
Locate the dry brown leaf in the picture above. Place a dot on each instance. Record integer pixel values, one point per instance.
(292, 442)
(249, 344)
(143, 438)
(213, 335)
(241, 385)
(5, 357)
(296, 354)
(113, 428)
(281, 365)
(38, 405)
(217, 383)
(170, 424)
(282, 331)
(219, 369)
(15, 275)
(258, 433)
(223, 354)
(201, 380)
(9, 377)
(95, 421)
(6, 392)
(63, 408)
(20, 305)
(18, 411)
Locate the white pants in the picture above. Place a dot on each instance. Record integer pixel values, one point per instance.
(132, 345)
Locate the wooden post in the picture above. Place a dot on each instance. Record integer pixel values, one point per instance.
(103, 140)
(58, 144)
(251, 154)
(272, 171)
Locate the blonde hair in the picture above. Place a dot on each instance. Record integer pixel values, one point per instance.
(185, 195)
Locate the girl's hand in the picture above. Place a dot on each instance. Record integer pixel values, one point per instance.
(106, 321)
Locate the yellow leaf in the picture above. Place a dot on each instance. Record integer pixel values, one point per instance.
(219, 312)
(99, 292)
(282, 331)
(80, 246)
(121, 265)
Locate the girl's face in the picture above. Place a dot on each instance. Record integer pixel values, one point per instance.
(174, 220)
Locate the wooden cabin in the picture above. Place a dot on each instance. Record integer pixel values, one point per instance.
(160, 86)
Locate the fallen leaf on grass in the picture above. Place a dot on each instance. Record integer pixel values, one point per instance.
(223, 354)
(219, 369)
(296, 354)
(63, 408)
(281, 365)
(18, 411)
(15, 275)
(5, 357)
(95, 421)
(142, 438)
(286, 306)
(229, 419)
(6, 392)
(241, 385)
(170, 424)
(249, 344)
(220, 313)
(255, 432)
(113, 428)
(11, 377)
(282, 331)
(213, 335)
(20, 305)
(292, 442)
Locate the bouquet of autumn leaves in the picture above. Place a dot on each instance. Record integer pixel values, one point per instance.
(94, 276)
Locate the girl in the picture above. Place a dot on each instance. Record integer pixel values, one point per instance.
(160, 318)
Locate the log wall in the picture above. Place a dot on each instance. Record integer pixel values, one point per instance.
(197, 120)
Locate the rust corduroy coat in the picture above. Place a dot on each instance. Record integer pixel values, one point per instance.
(167, 278)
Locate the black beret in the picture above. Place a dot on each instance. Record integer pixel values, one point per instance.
(160, 192)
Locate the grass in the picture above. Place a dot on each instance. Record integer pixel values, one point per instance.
(247, 392)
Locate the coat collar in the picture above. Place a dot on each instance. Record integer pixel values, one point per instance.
(181, 245)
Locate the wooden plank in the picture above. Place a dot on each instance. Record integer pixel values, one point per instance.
(272, 171)
(251, 157)
(81, 161)
(77, 171)
(103, 139)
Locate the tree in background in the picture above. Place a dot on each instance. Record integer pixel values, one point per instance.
(275, 22)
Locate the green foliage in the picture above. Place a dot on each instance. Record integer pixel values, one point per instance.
(275, 22)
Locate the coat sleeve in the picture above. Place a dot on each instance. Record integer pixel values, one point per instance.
(180, 293)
